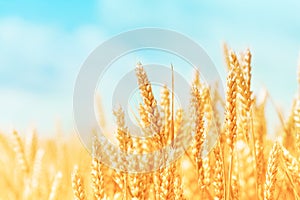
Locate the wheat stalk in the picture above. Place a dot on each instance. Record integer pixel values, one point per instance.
(259, 133)
(230, 116)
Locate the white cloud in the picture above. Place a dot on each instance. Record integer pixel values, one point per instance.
(38, 68)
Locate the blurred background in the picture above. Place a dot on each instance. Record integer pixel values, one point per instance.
(44, 43)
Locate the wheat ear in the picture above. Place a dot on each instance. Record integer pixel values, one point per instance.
(55, 188)
(272, 170)
(125, 143)
(167, 182)
(166, 114)
(123, 135)
(231, 116)
(219, 182)
(77, 185)
(150, 104)
(259, 133)
(31, 146)
(296, 118)
(20, 153)
(290, 134)
(97, 179)
(291, 165)
(226, 56)
(198, 107)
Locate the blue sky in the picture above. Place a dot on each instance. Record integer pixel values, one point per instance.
(43, 44)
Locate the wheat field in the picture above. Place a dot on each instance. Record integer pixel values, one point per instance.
(243, 164)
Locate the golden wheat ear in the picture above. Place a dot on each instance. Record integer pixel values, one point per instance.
(272, 171)
(226, 55)
(297, 113)
(78, 185)
(20, 153)
(230, 123)
(166, 133)
(100, 111)
(97, 174)
(150, 103)
(31, 146)
(259, 136)
(292, 168)
(230, 109)
(219, 178)
(123, 135)
(55, 188)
